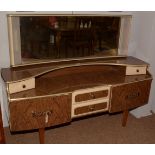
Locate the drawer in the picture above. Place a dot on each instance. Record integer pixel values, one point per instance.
(129, 96)
(91, 95)
(39, 112)
(90, 108)
(95, 93)
(21, 86)
(132, 70)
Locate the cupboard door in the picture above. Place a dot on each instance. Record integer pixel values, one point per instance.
(129, 96)
(39, 112)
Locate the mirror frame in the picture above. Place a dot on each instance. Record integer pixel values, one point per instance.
(14, 42)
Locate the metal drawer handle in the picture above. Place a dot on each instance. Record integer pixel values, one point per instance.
(40, 114)
(132, 95)
(46, 114)
(137, 70)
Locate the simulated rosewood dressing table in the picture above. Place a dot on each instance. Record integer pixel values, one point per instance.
(50, 94)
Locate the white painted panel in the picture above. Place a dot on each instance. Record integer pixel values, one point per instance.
(14, 40)
(103, 13)
(38, 13)
(21, 86)
(130, 70)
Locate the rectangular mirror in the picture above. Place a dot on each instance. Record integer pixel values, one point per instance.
(43, 38)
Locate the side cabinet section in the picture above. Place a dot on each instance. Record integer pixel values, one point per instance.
(129, 96)
(42, 112)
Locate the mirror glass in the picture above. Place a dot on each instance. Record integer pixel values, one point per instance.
(44, 38)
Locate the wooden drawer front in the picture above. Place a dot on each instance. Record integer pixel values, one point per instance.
(91, 95)
(130, 96)
(130, 70)
(21, 86)
(40, 112)
(89, 109)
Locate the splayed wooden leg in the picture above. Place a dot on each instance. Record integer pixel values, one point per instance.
(125, 117)
(2, 136)
(42, 135)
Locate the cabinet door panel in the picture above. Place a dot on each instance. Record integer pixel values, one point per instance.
(39, 112)
(130, 96)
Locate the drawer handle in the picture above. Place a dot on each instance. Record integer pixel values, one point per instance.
(46, 114)
(91, 108)
(24, 86)
(92, 95)
(137, 70)
(132, 95)
(40, 114)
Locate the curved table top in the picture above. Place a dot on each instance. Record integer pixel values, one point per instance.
(70, 79)
(15, 74)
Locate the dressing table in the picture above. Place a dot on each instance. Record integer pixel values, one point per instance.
(54, 93)
(67, 86)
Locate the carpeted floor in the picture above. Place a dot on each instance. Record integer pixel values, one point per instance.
(102, 129)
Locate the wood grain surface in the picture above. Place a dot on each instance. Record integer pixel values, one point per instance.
(90, 108)
(24, 72)
(45, 106)
(130, 96)
(79, 77)
(91, 95)
(32, 113)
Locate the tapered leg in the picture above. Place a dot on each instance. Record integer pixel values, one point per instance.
(2, 137)
(125, 117)
(42, 135)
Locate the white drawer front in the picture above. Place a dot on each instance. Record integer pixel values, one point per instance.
(130, 70)
(21, 86)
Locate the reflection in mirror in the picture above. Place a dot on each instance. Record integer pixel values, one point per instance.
(45, 38)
